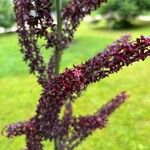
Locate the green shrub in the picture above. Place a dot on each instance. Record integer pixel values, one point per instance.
(6, 14)
(119, 13)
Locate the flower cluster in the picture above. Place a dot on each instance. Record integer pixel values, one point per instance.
(73, 81)
(121, 53)
(84, 126)
(75, 12)
(34, 21)
(46, 124)
(72, 15)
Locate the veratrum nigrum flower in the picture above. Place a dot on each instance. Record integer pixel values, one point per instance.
(35, 21)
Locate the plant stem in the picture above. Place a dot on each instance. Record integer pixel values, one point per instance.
(59, 28)
(58, 55)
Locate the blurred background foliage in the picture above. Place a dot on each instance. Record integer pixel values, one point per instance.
(119, 13)
(7, 18)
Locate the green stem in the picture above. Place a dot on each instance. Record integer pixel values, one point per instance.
(58, 56)
(59, 28)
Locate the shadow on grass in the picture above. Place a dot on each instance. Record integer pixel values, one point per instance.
(7, 34)
(133, 26)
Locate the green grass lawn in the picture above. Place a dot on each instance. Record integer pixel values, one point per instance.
(128, 127)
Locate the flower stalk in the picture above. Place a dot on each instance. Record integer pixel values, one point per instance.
(58, 54)
(59, 30)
